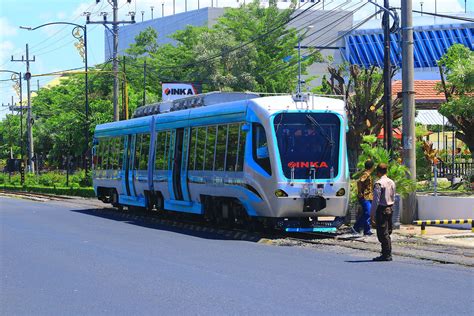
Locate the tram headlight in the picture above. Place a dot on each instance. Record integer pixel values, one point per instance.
(280, 193)
(341, 192)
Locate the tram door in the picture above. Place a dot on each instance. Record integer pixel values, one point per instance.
(129, 170)
(177, 163)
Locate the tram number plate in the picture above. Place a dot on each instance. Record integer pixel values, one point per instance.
(314, 204)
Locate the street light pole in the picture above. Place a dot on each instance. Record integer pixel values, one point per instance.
(86, 79)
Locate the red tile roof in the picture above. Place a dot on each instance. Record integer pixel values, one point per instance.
(425, 90)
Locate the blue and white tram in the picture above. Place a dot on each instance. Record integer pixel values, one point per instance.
(235, 156)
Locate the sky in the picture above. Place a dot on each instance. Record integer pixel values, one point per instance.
(53, 46)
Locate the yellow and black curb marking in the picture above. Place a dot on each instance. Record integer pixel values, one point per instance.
(236, 235)
(443, 222)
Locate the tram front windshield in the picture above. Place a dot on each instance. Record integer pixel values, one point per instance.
(308, 144)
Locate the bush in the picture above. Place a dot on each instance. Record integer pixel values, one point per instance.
(49, 179)
(397, 172)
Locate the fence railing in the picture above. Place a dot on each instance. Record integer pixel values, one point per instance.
(458, 169)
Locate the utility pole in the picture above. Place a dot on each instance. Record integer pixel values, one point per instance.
(387, 78)
(143, 13)
(115, 23)
(152, 7)
(31, 165)
(408, 119)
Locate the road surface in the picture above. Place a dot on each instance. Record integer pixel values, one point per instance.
(60, 257)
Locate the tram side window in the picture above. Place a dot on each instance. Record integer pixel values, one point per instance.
(200, 147)
(116, 149)
(241, 149)
(210, 146)
(138, 145)
(260, 148)
(192, 149)
(232, 147)
(170, 144)
(113, 153)
(120, 150)
(142, 146)
(161, 153)
(221, 147)
(105, 161)
(144, 153)
(160, 150)
(98, 153)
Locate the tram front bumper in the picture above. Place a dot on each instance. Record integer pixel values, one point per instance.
(309, 207)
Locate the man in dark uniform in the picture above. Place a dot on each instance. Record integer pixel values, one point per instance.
(381, 210)
(365, 189)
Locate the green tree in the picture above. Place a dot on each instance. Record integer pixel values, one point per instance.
(456, 68)
(145, 43)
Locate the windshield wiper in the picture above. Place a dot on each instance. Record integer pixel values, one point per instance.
(315, 123)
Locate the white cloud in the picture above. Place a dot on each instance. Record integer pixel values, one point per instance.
(6, 30)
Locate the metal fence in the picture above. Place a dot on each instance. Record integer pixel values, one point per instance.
(458, 169)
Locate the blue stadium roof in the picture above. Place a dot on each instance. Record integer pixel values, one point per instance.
(365, 47)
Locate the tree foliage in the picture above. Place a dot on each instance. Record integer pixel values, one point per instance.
(396, 171)
(457, 83)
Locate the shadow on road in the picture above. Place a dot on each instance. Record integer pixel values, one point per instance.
(170, 225)
(359, 261)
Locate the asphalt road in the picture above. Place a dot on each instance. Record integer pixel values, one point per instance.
(62, 259)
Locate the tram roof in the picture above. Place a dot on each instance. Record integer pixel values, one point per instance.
(231, 111)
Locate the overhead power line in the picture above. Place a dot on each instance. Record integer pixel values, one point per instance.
(461, 18)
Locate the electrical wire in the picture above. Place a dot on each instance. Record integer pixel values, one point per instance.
(359, 24)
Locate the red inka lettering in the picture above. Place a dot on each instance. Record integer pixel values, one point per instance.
(307, 164)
